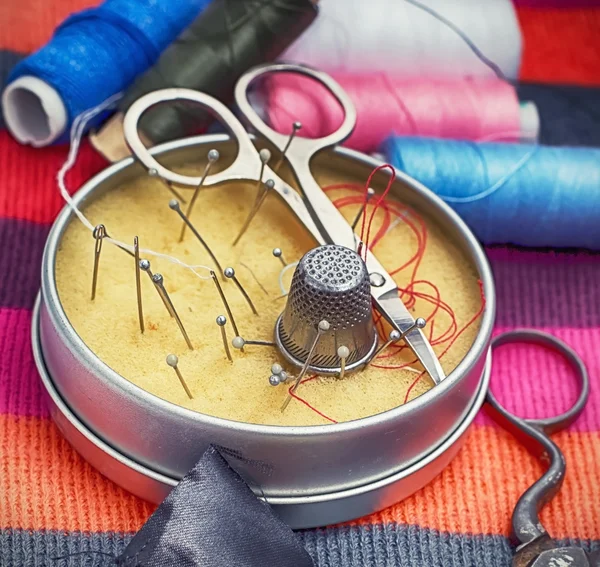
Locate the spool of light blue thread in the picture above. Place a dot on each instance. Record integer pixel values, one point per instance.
(93, 55)
(510, 193)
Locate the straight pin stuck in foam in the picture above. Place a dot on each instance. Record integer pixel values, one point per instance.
(230, 274)
(269, 185)
(213, 157)
(173, 362)
(222, 321)
(138, 282)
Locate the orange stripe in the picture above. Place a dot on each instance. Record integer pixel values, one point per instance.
(27, 24)
(478, 491)
(47, 485)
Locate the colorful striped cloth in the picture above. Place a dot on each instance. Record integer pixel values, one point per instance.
(53, 504)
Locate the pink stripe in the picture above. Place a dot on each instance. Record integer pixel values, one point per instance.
(21, 391)
(532, 381)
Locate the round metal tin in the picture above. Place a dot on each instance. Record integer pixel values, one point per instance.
(299, 512)
(285, 462)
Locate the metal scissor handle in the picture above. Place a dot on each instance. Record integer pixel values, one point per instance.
(534, 433)
(304, 148)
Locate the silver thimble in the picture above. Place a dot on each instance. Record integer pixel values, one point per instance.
(331, 283)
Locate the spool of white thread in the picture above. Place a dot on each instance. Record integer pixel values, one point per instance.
(400, 38)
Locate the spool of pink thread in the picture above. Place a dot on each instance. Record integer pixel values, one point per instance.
(467, 109)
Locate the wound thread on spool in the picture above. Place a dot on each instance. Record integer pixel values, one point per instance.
(226, 40)
(510, 193)
(93, 55)
(469, 109)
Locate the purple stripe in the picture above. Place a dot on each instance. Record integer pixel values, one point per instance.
(21, 248)
(546, 288)
(21, 390)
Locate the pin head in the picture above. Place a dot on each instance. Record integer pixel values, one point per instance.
(277, 252)
(229, 272)
(269, 183)
(172, 360)
(276, 369)
(144, 265)
(221, 320)
(152, 172)
(265, 155)
(213, 155)
(283, 376)
(343, 352)
(394, 335)
(238, 342)
(274, 380)
(157, 278)
(297, 126)
(174, 204)
(420, 323)
(324, 326)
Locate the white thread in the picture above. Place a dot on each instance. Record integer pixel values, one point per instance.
(284, 270)
(76, 135)
(401, 38)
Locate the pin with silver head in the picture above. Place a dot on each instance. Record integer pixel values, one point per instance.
(322, 328)
(240, 342)
(154, 173)
(158, 281)
(395, 335)
(213, 157)
(225, 302)
(229, 273)
(278, 375)
(138, 282)
(99, 235)
(277, 252)
(343, 353)
(296, 126)
(370, 193)
(268, 186)
(173, 362)
(222, 321)
(174, 205)
(145, 267)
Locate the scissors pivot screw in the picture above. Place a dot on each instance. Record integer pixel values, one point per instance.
(376, 279)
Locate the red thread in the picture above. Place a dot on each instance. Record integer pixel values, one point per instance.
(297, 397)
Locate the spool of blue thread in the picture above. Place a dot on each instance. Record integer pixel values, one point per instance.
(510, 193)
(93, 55)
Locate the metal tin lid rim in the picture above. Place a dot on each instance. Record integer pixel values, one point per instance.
(277, 500)
(69, 335)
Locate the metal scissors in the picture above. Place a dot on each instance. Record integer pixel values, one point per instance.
(535, 546)
(313, 208)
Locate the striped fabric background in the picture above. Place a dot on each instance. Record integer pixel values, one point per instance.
(53, 504)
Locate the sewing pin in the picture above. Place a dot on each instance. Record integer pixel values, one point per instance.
(222, 321)
(278, 375)
(269, 184)
(240, 342)
(138, 282)
(295, 127)
(343, 353)
(225, 303)
(145, 267)
(158, 281)
(279, 254)
(174, 205)
(322, 328)
(153, 173)
(173, 361)
(99, 234)
(213, 156)
(230, 274)
(370, 193)
(395, 336)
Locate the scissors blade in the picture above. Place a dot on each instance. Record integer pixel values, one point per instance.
(396, 313)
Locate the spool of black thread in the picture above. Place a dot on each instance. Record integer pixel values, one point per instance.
(227, 39)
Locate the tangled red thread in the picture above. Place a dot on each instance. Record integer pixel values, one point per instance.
(416, 288)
